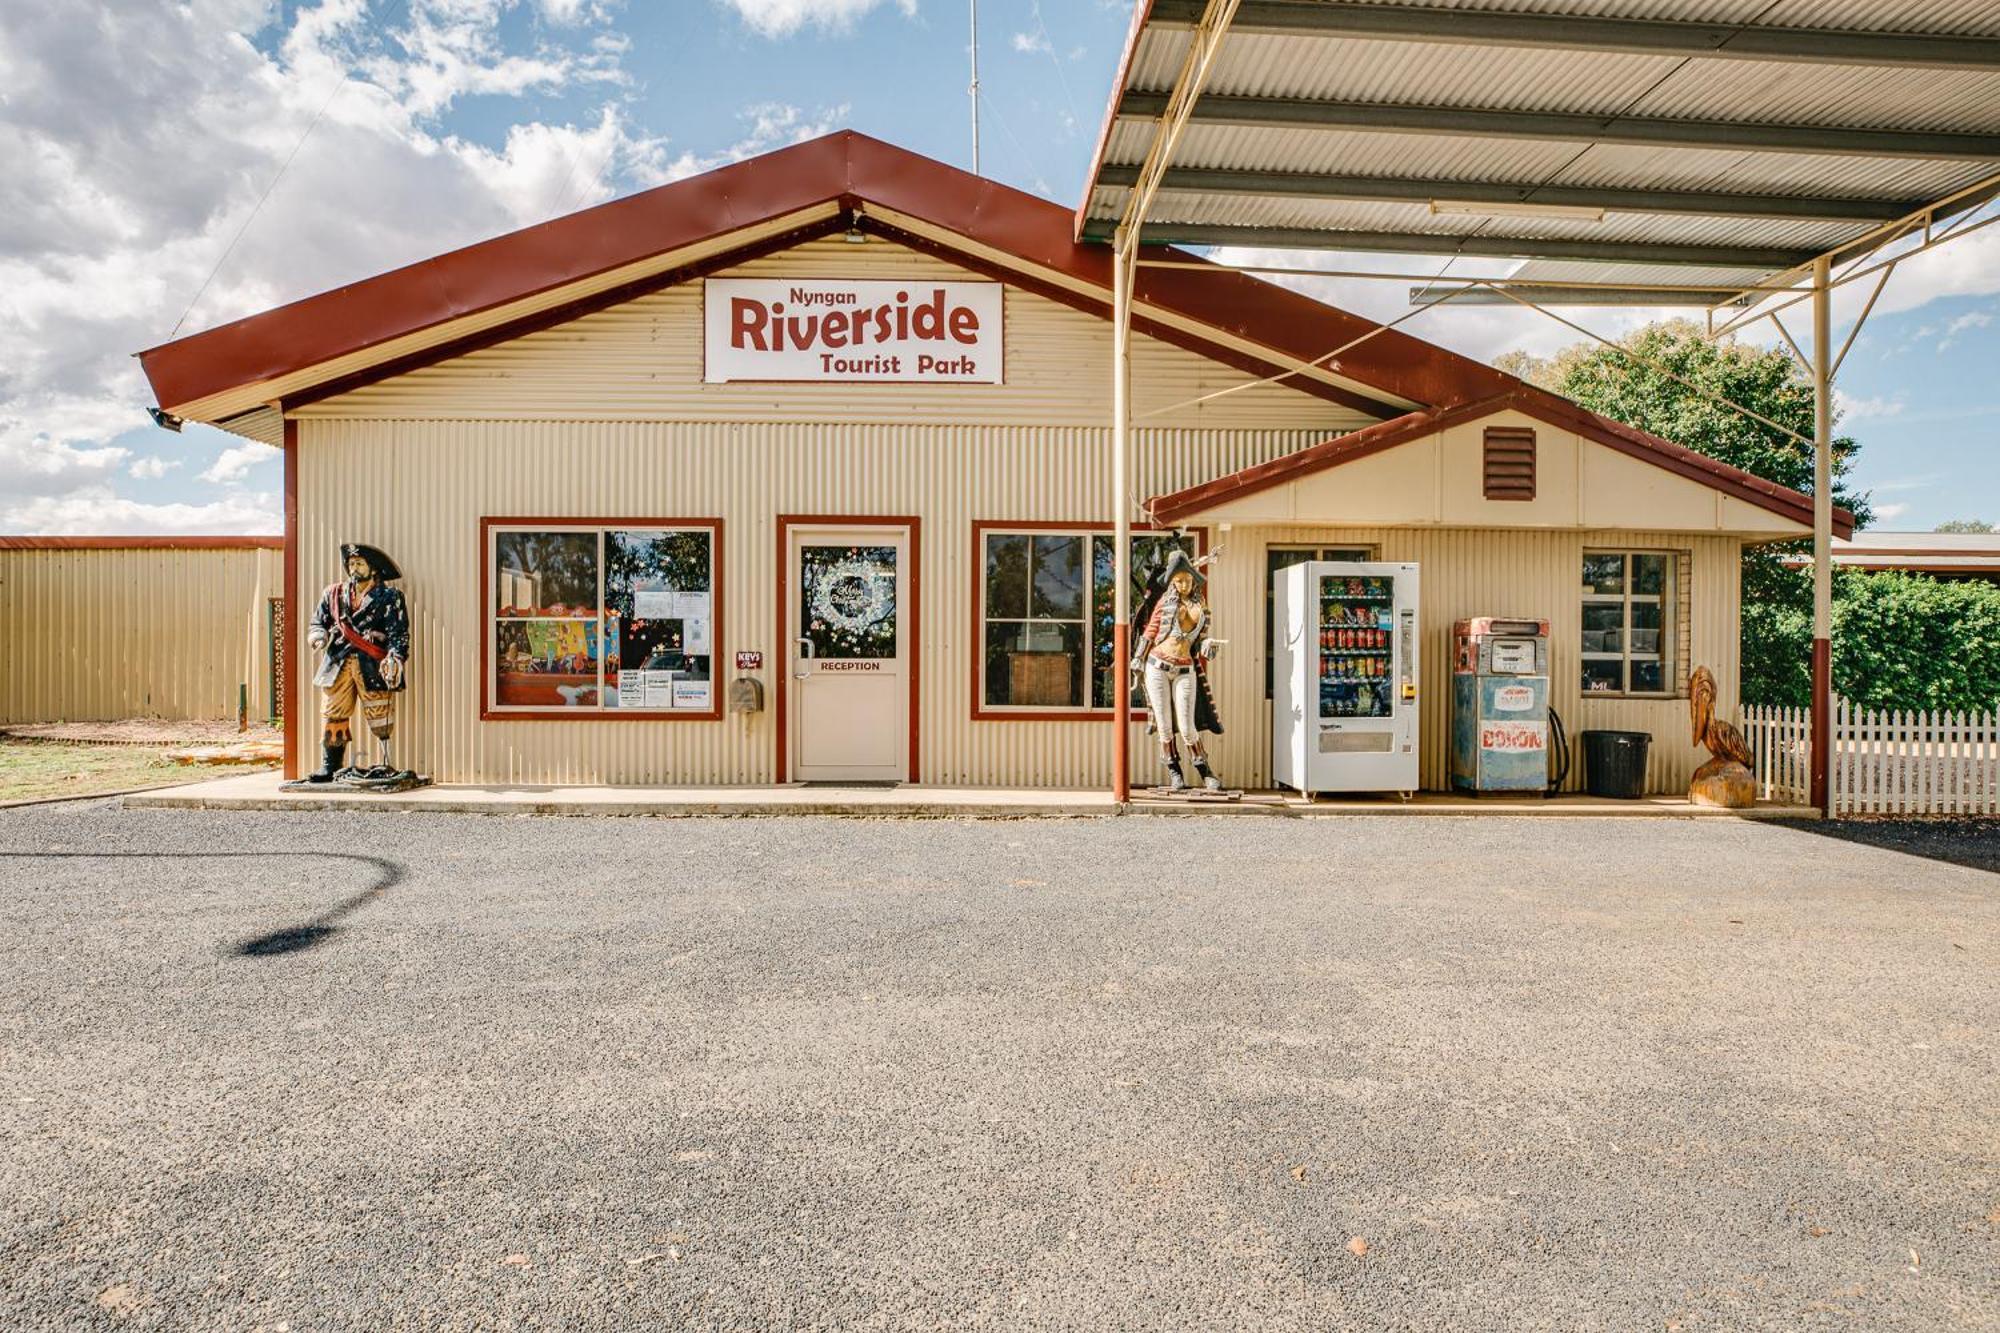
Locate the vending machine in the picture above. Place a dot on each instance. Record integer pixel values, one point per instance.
(1344, 677)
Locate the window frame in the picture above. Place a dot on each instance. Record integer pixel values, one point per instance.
(1669, 602)
(1087, 712)
(490, 529)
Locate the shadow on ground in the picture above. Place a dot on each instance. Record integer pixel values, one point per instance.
(1962, 842)
(291, 939)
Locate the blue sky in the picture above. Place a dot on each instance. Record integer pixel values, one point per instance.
(150, 134)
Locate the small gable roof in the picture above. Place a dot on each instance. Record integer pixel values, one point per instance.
(1184, 504)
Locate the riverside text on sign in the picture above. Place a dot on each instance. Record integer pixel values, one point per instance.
(851, 329)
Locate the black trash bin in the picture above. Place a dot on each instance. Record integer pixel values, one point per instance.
(1614, 763)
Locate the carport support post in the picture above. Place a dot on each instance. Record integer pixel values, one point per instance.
(1121, 521)
(1822, 623)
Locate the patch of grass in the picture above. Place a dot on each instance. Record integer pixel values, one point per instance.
(31, 770)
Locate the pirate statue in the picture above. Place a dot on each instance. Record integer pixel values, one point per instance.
(362, 628)
(1172, 660)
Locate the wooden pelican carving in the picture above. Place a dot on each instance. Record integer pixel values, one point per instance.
(1725, 780)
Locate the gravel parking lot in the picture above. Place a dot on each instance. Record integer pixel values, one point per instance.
(337, 1071)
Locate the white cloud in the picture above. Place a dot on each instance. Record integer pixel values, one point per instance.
(1971, 319)
(782, 18)
(1889, 513)
(770, 125)
(139, 141)
(152, 469)
(98, 510)
(231, 465)
(1030, 42)
(1964, 266)
(1853, 409)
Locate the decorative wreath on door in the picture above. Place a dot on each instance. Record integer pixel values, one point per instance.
(854, 595)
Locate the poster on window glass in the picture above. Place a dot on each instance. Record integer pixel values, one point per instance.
(546, 664)
(658, 593)
(545, 635)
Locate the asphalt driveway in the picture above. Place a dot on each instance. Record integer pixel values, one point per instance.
(335, 1071)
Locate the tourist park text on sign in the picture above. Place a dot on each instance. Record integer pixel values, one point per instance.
(851, 329)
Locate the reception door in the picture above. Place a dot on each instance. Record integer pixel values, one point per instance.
(850, 652)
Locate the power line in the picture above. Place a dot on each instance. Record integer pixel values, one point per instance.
(283, 167)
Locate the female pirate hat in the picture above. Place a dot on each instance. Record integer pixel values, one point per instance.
(380, 565)
(1179, 563)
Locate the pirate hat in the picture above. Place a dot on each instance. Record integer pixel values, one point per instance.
(380, 565)
(1179, 563)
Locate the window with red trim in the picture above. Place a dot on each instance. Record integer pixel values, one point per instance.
(1045, 611)
(614, 618)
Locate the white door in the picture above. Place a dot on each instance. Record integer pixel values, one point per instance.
(849, 654)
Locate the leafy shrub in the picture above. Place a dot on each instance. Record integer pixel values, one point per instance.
(1900, 641)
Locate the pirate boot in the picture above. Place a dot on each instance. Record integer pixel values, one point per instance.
(335, 760)
(1209, 781)
(1176, 780)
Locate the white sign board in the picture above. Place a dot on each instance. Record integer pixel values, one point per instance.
(838, 329)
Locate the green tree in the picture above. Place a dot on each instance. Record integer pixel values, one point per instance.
(1964, 525)
(1637, 389)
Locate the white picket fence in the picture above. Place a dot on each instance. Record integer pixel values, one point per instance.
(1781, 745)
(1884, 762)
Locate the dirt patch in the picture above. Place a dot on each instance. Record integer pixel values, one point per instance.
(145, 731)
(42, 769)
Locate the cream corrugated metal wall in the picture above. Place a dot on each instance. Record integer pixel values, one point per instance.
(92, 634)
(418, 490)
(402, 486)
(642, 360)
(1482, 571)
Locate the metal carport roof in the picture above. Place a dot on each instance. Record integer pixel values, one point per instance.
(1720, 143)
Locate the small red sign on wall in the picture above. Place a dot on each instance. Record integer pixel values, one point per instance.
(749, 661)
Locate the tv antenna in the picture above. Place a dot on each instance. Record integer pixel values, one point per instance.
(973, 91)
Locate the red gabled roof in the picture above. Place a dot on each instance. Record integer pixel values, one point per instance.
(978, 218)
(1530, 401)
(846, 169)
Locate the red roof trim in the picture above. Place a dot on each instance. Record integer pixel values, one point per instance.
(1560, 412)
(142, 543)
(836, 169)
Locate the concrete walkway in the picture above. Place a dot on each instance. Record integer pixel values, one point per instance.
(259, 791)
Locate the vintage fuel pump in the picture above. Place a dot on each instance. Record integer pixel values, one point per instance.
(1500, 718)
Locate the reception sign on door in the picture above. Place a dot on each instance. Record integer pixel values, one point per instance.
(831, 329)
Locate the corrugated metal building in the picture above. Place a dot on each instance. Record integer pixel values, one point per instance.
(603, 488)
(101, 628)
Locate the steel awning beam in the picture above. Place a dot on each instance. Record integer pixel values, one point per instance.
(1395, 189)
(1582, 32)
(1468, 122)
(1501, 247)
(1559, 294)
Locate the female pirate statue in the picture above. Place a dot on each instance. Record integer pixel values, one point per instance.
(1172, 659)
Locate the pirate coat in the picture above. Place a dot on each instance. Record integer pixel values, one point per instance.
(367, 629)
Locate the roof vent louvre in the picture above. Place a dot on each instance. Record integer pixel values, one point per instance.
(1510, 463)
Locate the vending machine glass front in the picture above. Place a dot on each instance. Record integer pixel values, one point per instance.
(1357, 652)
